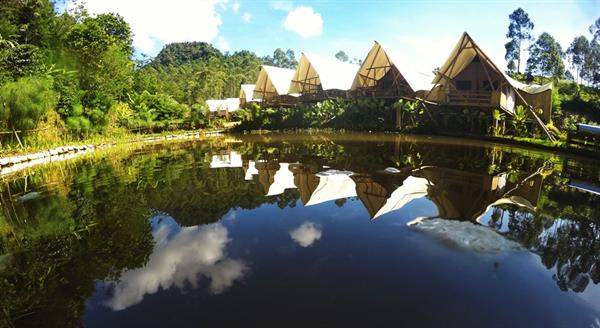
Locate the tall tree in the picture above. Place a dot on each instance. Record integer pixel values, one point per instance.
(519, 30)
(591, 66)
(577, 53)
(595, 29)
(341, 56)
(101, 49)
(282, 59)
(545, 58)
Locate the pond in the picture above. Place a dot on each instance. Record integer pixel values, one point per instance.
(304, 230)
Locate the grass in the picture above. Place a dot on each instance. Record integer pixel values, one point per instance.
(118, 138)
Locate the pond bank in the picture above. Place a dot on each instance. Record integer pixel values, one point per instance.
(10, 164)
(539, 144)
(535, 143)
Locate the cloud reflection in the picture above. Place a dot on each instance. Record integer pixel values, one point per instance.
(180, 257)
(306, 234)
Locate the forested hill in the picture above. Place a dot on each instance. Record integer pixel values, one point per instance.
(76, 74)
(192, 72)
(185, 53)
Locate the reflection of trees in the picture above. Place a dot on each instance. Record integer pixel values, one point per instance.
(92, 223)
(91, 220)
(62, 243)
(571, 248)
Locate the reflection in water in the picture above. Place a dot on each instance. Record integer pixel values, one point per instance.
(465, 235)
(333, 184)
(181, 255)
(230, 159)
(282, 180)
(412, 188)
(63, 230)
(306, 234)
(251, 170)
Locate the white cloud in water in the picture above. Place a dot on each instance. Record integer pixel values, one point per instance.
(304, 21)
(306, 234)
(155, 23)
(246, 17)
(180, 258)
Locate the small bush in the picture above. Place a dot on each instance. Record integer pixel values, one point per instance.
(24, 102)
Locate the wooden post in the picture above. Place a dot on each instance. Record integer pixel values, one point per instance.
(19, 140)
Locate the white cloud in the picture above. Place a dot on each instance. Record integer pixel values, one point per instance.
(222, 44)
(235, 7)
(180, 258)
(282, 5)
(304, 21)
(306, 234)
(246, 17)
(155, 22)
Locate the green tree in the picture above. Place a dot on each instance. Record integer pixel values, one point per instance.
(595, 30)
(577, 53)
(185, 53)
(511, 67)
(27, 22)
(19, 61)
(519, 30)
(282, 59)
(545, 58)
(591, 67)
(341, 56)
(101, 49)
(24, 102)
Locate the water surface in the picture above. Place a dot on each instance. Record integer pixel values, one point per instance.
(304, 230)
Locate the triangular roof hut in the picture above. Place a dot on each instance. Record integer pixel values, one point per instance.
(469, 77)
(380, 75)
(317, 76)
(246, 94)
(272, 82)
(222, 107)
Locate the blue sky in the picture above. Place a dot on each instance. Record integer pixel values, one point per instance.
(422, 31)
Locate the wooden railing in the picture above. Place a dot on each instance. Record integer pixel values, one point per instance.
(470, 98)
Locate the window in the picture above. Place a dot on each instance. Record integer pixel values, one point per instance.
(485, 85)
(463, 85)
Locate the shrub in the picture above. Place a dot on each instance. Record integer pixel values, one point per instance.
(24, 102)
(19, 61)
(198, 114)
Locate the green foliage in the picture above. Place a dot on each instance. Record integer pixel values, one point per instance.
(497, 116)
(577, 52)
(198, 116)
(27, 22)
(185, 53)
(156, 107)
(282, 59)
(519, 30)
(341, 56)
(19, 61)
(545, 58)
(591, 66)
(194, 81)
(101, 49)
(24, 102)
(357, 115)
(519, 121)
